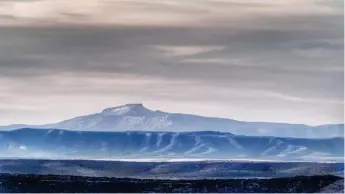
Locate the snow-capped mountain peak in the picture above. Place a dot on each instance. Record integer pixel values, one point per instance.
(136, 117)
(126, 109)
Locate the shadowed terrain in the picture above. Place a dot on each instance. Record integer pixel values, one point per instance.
(171, 170)
(73, 184)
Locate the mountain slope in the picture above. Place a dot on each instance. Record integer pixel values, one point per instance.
(135, 117)
(41, 143)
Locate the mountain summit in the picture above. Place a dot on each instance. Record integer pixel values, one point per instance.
(127, 109)
(135, 117)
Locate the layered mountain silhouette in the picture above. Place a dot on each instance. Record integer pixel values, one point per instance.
(135, 117)
(60, 144)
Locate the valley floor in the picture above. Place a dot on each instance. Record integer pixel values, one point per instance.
(171, 170)
(58, 176)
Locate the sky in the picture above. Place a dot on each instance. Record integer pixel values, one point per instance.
(250, 60)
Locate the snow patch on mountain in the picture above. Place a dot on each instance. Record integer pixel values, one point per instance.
(292, 150)
(116, 111)
(160, 139)
(170, 146)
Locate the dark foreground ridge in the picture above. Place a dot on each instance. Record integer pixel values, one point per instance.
(76, 184)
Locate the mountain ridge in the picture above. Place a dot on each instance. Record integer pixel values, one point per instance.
(56, 143)
(136, 117)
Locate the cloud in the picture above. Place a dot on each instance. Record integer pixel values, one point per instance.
(218, 61)
(186, 50)
(154, 12)
(70, 94)
(277, 60)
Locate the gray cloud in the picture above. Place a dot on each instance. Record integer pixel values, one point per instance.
(271, 66)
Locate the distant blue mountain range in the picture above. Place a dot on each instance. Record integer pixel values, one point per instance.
(55, 143)
(135, 117)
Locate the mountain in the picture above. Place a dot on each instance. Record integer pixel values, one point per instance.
(135, 117)
(54, 143)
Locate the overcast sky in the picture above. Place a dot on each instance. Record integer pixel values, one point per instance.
(253, 60)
